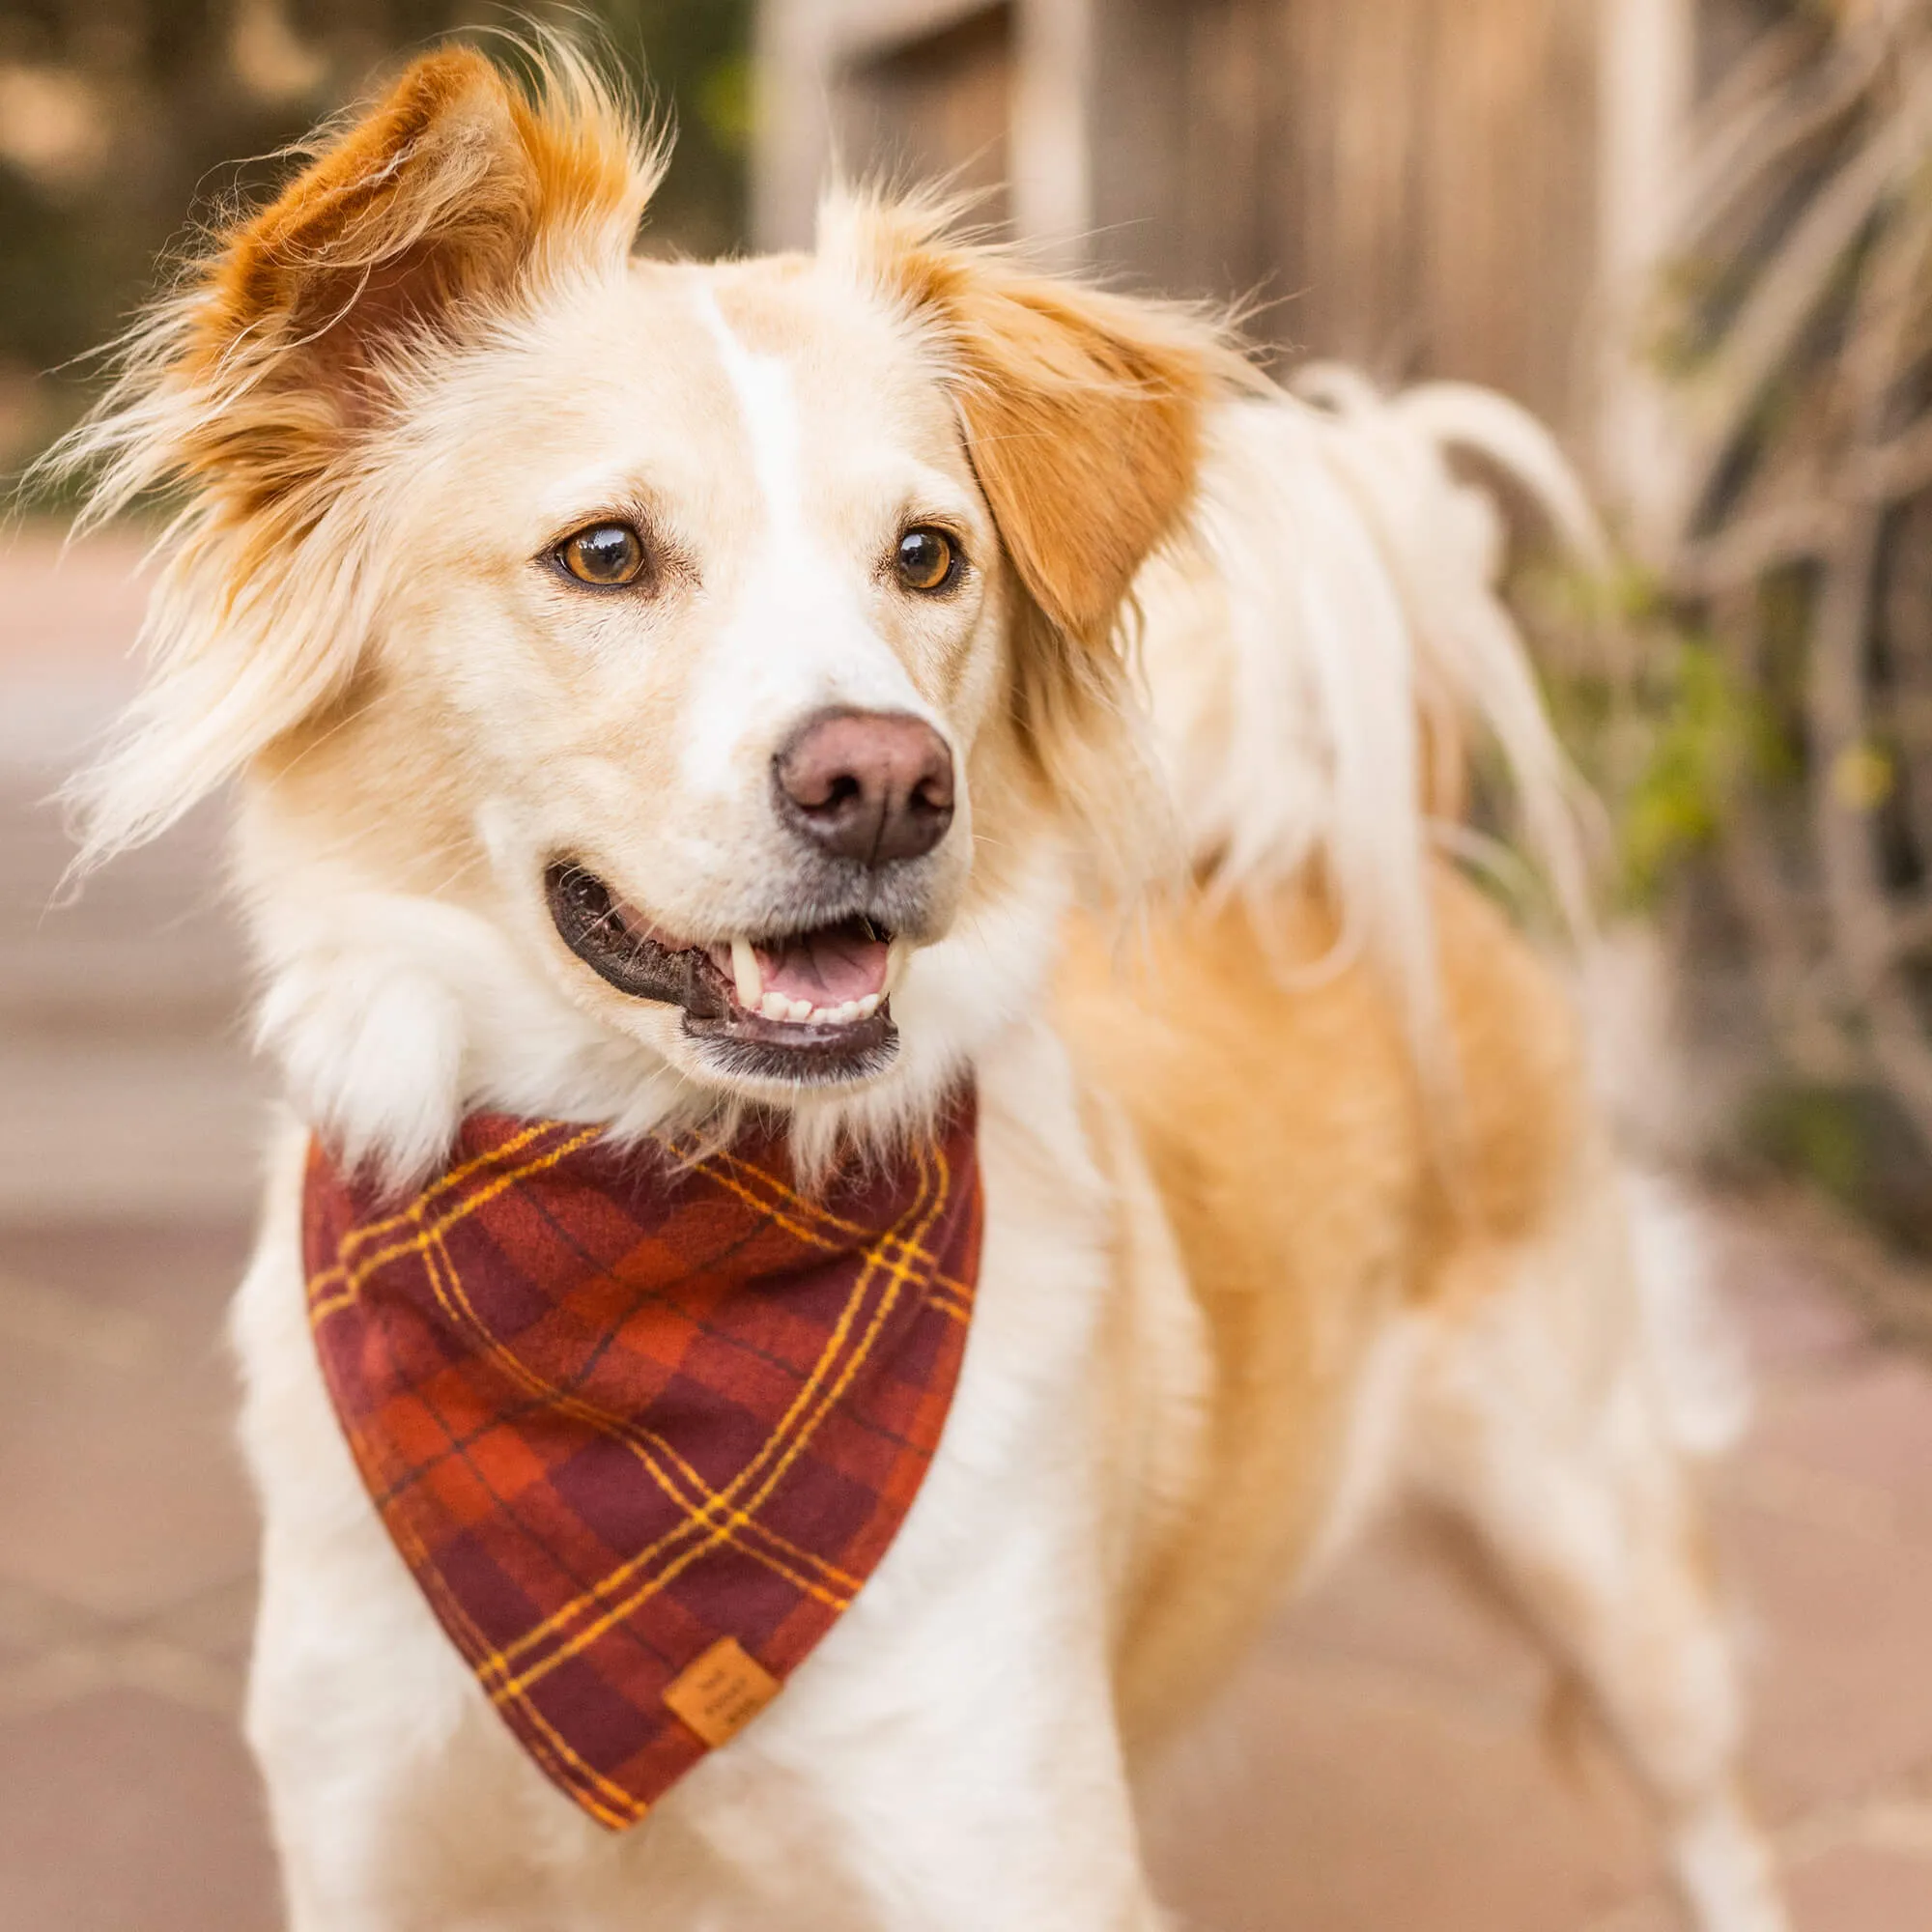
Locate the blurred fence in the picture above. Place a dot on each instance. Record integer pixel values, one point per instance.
(1418, 185)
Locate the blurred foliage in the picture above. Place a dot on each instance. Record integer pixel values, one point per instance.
(1660, 728)
(1682, 750)
(1856, 1144)
(1675, 805)
(126, 122)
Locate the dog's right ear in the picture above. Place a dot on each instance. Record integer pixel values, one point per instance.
(458, 200)
(455, 197)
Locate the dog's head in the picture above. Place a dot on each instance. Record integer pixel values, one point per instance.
(648, 678)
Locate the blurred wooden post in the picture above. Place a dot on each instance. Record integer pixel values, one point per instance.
(990, 94)
(914, 90)
(1051, 134)
(1649, 58)
(790, 57)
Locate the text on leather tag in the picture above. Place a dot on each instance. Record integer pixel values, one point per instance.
(721, 1692)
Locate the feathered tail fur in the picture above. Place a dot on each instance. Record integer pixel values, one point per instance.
(1331, 645)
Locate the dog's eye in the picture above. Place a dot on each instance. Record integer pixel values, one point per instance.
(606, 554)
(926, 559)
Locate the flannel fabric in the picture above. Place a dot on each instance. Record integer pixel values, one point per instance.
(641, 1422)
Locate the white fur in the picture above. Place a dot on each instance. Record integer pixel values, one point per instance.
(1695, 1352)
(1546, 1419)
(798, 642)
(948, 1757)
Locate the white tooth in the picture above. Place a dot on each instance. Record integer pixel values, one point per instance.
(843, 1015)
(745, 970)
(896, 956)
(801, 1010)
(775, 1007)
(865, 1009)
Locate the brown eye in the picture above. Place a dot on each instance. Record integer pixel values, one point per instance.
(606, 554)
(926, 559)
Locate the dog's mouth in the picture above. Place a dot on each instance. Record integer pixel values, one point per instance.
(801, 1008)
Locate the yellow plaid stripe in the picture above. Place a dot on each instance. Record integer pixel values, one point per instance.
(797, 1214)
(711, 1519)
(447, 1280)
(609, 1802)
(322, 1305)
(789, 1210)
(822, 1368)
(827, 1382)
(443, 1185)
(780, 1554)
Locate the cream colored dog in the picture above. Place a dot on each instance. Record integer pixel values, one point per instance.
(657, 688)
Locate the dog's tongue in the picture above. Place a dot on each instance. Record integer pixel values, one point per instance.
(827, 967)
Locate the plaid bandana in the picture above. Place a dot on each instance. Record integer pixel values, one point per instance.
(641, 1423)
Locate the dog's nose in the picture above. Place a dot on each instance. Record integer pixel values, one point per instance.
(871, 786)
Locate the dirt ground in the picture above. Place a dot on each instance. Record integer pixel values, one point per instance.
(1383, 1763)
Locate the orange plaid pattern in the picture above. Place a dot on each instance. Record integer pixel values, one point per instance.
(617, 1405)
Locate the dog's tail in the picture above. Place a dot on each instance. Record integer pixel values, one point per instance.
(1327, 657)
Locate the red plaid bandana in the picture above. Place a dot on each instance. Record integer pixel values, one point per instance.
(641, 1423)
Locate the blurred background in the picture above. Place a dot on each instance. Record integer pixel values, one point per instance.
(1696, 236)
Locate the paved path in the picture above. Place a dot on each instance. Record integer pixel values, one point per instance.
(1381, 1767)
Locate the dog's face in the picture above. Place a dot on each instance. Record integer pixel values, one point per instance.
(710, 623)
(733, 644)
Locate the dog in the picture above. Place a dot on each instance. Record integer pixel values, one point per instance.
(682, 699)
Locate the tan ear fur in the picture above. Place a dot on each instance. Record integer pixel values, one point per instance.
(254, 389)
(1085, 437)
(1083, 409)
(455, 197)
(438, 200)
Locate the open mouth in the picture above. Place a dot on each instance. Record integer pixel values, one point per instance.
(805, 1006)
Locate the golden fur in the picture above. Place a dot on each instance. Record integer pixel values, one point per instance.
(1288, 1135)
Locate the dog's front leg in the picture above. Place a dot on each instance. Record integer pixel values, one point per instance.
(948, 1761)
(949, 1758)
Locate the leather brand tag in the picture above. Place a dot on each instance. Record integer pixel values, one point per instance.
(721, 1692)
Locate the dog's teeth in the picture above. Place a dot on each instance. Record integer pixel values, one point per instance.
(843, 1015)
(775, 1007)
(865, 1009)
(800, 1010)
(749, 980)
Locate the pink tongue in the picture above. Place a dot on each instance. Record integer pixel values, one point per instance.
(826, 968)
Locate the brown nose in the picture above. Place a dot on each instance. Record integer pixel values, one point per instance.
(871, 786)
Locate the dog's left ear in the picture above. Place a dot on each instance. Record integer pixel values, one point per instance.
(1083, 409)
